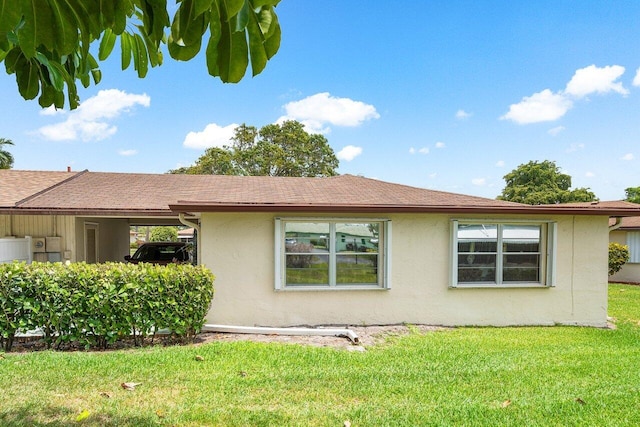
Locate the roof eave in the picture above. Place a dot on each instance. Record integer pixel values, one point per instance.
(86, 212)
(350, 208)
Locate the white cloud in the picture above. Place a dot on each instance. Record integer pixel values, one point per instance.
(556, 130)
(319, 111)
(500, 163)
(636, 79)
(90, 121)
(462, 115)
(628, 156)
(440, 144)
(589, 174)
(574, 147)
(127, 152)
(540, 107)
(548, 106)
(479, 181)
(212, 136)
(349, 153)
(423, 150)
(51, 111)
(592, 79)
(433, 175)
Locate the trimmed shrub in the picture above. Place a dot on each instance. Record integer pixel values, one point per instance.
(95, 305)
(17, 302)
(618, 256)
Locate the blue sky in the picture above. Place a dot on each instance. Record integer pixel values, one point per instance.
(443, 95)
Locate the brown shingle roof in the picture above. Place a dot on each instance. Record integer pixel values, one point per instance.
(16, 185)
(344, 192)
(632, 222)
(147, 194)
(153, 194)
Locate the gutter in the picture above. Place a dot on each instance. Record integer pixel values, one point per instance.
(196, 227)
(617, 225)
(262, 330)
(188, 223)
(194, 206)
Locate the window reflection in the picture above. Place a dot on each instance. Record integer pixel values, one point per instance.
(332, 253)
(499, 253)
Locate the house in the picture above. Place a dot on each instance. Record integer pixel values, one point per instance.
(627, 232)
(339, 250)
(186, 235)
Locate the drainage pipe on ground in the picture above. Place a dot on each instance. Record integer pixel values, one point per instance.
(263, 330)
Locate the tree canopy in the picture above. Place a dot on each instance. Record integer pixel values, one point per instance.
(164, 234)
(274, 150)
(6, 158)
(538, 183)
(46, 43)
(632, 194)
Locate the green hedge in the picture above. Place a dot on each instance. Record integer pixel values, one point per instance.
(94, 305)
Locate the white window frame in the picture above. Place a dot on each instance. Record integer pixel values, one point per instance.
(548, 250)
(633, 243)
(384, 254)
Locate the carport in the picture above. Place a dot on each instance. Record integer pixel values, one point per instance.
(85, 216)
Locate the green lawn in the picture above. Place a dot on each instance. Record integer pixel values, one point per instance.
(560, 376)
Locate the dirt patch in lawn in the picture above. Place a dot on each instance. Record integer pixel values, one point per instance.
(367, 336)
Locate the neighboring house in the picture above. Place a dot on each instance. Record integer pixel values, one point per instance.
(628, 233)
(342, 250)
(186, 235)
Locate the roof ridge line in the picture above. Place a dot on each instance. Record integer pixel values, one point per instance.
(51, 187)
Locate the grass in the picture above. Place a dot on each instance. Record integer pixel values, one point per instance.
(564, 376)
(346, 273)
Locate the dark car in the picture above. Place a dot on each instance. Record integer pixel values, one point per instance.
(161, 253)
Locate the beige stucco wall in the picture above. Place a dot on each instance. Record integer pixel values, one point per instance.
(113, 238)
(630, 272)
(239, 249)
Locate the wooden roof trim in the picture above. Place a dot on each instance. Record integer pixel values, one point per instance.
(86, 212)
(192, 206)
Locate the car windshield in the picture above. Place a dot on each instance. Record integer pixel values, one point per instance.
(161, 253)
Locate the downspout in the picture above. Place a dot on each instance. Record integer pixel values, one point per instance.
(196, 227)
(262, 330)
(617, 225)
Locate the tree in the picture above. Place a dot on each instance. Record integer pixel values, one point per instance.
(164, 234)
(274, 150)
(6, 159)
(539, 183)
(633, 194)
(46, 43)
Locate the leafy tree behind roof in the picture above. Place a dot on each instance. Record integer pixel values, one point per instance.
(164, 234)
(274, 150)
(632, 194)
(6, 158)
(46, 43)
(539, 183)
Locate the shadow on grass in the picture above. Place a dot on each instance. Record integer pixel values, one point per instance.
(60, 416)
